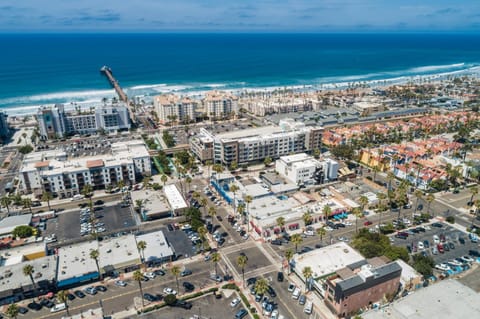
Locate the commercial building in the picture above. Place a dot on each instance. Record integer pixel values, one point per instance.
(172, 108)
(55, 122)
(175, 199)
(303, 169)
(158, 249)
(256, 144)
(54, 172)
(8, 224)
(220, 105)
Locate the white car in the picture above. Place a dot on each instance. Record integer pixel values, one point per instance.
(348, 223)
(120, 283)
(291, 287)
(436, 239)
(235, 302)
(150, 275)
(420, 246)
(442, 267)
(169, 291)
(467, 259)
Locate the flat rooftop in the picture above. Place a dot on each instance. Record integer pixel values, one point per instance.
(8, 224)
(118, 252)
(443, 300)
(175, 199)
(75, 261)
(153, 202)
(261, 208)
(157, 246)
(329, 259)
(251, 132)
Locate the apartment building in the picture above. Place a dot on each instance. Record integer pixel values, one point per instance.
(303, 169)
(220, 105)
(202, 145)
(172, 108)
(4, 129)
(256, 144)
(53, 171)
(55, 122)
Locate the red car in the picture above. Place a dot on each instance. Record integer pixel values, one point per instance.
(367, 223)
(440, 248)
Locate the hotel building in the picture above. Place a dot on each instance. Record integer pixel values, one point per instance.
(170, 107)
(220, 105)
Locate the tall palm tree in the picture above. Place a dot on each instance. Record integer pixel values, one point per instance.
(138, 276)
(363, 201)
(28, 270)
(381, 197)
(6, 201)
(164, 179)
(327, 210)
(307, 218)
(241, 212)
(62, 296)
(419, 195)
(288, 256)
(296, 240)
(87, 191)
(248, 199)
(188, 181)
(261, 286)
(12, 311)
(375, 169)
(280, 222)
(212, 212)
(307, 273)
(47, 197)
(473, 191)
(242, 263)
(27, 203)
(208, 164)
(215, 259)
(204, 202)
(95, 254)
(141, 246)
(234, 188)
(430, 198)
(321, 231)
(202, 233)
(175, 270)
(357, 212)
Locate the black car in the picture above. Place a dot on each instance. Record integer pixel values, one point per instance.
(170, 227)
(451, 245)
(280, 276)
(474, 253)
(34, 306)
(271, 292)
(47, 303)
(79, 294)
(149, 297)
(183, 304)
(188, 286)
(70, 296)
(251, 281)
(306, 249)
(221, 241)
(98, 202)
(342, 225)
(438, 225)
(461, 240)
(219, 218)
(210, 228)
(276, 242)
(101, 288)
(159, 272)
(22, 310)
(242, 233)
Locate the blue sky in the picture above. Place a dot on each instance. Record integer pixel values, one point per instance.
(239, 15)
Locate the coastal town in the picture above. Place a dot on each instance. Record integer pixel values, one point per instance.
(359, 201)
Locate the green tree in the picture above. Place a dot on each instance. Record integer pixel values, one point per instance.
(202, 233)
(242, 263)
(164, 179)
(307, 274)
(288, 256)
(327, 210)
(28, 271)
(87, 191)
(321, 231)
(307, 218)
(473, 191)
(47, 197)
(430, 198)
(62, 296)
(95, 255)
(261, 286)
(138, 205)
(234, 188)
(424, 265)
(6, 201)
(22, 231)
(212, 212)
(204, 202)
(141, 246)
(215, 259)
(175, 270)
(357, 212)
(27, 203)
(188, 181)
(218, 168)
(248, 199)
(363, 200)
(267, 161)
(170, 299)
(280, 222)
(138, 277)
(296, 239)
(12, 311)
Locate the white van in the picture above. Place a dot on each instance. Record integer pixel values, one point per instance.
(58, 307)
(296, 293)
(77, 197)
(308, 307)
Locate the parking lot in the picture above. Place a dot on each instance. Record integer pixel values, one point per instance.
(450, 235)
(67, 225)
(182, 245)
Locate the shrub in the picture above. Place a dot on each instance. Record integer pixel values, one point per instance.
(230, 286)
(22, 231)
(451, 219)
(170, 299)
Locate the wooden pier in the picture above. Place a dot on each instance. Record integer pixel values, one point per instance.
(123, 97)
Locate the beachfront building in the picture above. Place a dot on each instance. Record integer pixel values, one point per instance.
(53, 171)
(4, 129)
(55, 122)
(220, 105)
(172, 108)
(303, 169)
(253, 145)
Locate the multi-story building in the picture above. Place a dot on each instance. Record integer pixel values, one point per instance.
(360, 285)
(202, 145)
(220, 105)
(4, 129)
(172, 108)
(303, 169)
(54, 172)
(55, 122)
(256, 144)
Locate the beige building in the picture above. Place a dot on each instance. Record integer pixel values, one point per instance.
(170, 107)
(220, 105)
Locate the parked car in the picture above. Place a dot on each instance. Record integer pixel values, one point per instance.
(150, 297)
(120, 283)
(280, 276)
(241, 313)
(185, 272)
(188, 286)
(150, 275)
(234, 302)
(34, 306)
(367, 223)
(90, 290)
(302, 300)
(101, 288)
(169, 291)
(79, 294)
(159, 272)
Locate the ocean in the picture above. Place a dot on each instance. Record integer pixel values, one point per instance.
(43, 69)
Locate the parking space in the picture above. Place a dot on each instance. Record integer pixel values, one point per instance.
(425, 243)
(182, 245)
(256, 259)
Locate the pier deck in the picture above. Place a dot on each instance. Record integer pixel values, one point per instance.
(121, 94)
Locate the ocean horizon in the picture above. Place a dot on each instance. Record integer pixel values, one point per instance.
(44, 69)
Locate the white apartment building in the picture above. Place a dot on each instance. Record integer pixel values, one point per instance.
(55, 122)
(53, 171)
(220, 105)
(256, 144)
(303, 169)
(170, 107)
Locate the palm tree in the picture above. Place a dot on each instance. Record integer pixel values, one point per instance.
(288, 256)
(138, 276)
(47, 197)
(376, 169)
(242, 262)
(381, 197)
(307, 218)
(62, 296)
(248, 199)
(321, 231)
(307, 273)
(281, 222)
(87, 192)
(233, 189)
(267, 161)
(138, 205)
(418, 194)
(217, 168)
(28, 270)
(430, 198)
(241, 212)
(261, 286)
(296, 239)
(363, 200)
(27, 203)
(175, 270)
(208, 164)
(202, 232)
(204, 202)
(215, 259)
(390, 178)
(473, 191)
(12, 311)
(188, 181)
(357, 212)
(327, 210)
(212, 212)
(141, 246)
(6, 201)
(164, 179)
(95, 254)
